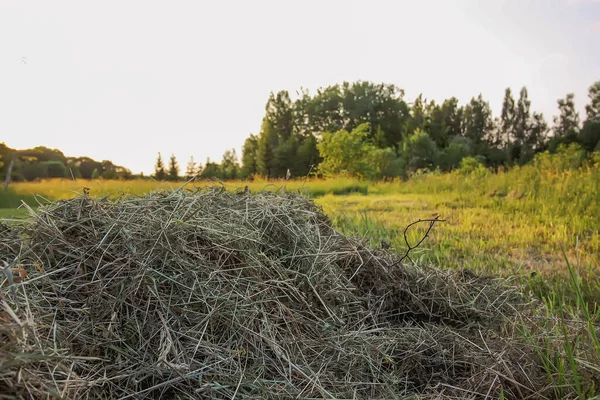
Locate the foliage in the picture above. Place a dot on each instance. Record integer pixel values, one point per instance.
(159, 169)
(173, 168)
(229, 165)
(473, 166)
(592, 109)
(249, 157)
(191, 170)
(451, 156)
(211, 170)
(42, 163)
(513, 138)
(351, 154)
(419, 151)
(567, 122)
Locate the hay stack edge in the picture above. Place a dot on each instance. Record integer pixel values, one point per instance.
(213, 294)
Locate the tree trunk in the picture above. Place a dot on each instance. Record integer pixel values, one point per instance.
(9, 172)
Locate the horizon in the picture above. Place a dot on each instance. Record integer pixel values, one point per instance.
(125, 82)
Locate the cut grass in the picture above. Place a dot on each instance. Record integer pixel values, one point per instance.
(513, 224)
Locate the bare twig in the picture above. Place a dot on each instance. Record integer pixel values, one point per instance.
(409, 247)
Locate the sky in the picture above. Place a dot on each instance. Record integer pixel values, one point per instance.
(124, 80)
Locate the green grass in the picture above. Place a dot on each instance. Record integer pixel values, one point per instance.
(13, 213)
(538, 225)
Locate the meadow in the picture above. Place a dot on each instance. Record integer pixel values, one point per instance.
(537, 225)
(512, 223)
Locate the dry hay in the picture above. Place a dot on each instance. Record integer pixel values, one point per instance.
(213, 294)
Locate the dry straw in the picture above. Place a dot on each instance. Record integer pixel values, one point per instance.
(212, 294)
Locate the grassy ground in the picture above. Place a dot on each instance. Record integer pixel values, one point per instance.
(538, 224)
(510, 223)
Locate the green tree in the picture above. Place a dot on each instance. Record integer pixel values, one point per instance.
(418, 115)
(173, 168)
(211, 170)
(453, 117)
(419, 151)
(592, 109)
(279, 112)
(522, 119)
(538, 133)
(249, 156)
(567, 122)
(110, 173)
(266, 164)
(32, 170)
(56, 169)
(159, 169)
(380, 105)
(507, 117)
(229, 165)
(477, 120)
(87, 166)
(589, 137)
(73, 170)
(350, 153)
(344, 107)
(191, 170)
(450, 157)
(307, 156)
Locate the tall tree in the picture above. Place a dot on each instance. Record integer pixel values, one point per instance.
(230, 165)
(173, 168)
(452, 117)
(418, 115)
(592, 109)
(507, 117)
(477, 120)
(266, 164)
(436, 126)
(159, 169)
(191, 170)
(567, 122)
(211, 170)
(249, 156)
(307, 157)
(538, 133)
(522, 118)
(279, 112)
(380, 105)
(344, 107)
(443, 121)
(589, 137)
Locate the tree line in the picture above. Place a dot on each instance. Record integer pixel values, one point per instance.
(360, 129)
(370, 130)
(229, 168)
(42, 162)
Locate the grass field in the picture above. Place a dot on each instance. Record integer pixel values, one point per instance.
(539, 224)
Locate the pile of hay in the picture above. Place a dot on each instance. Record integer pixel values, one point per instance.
(212, 294)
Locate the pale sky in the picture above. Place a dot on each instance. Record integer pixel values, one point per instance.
(123, 80)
